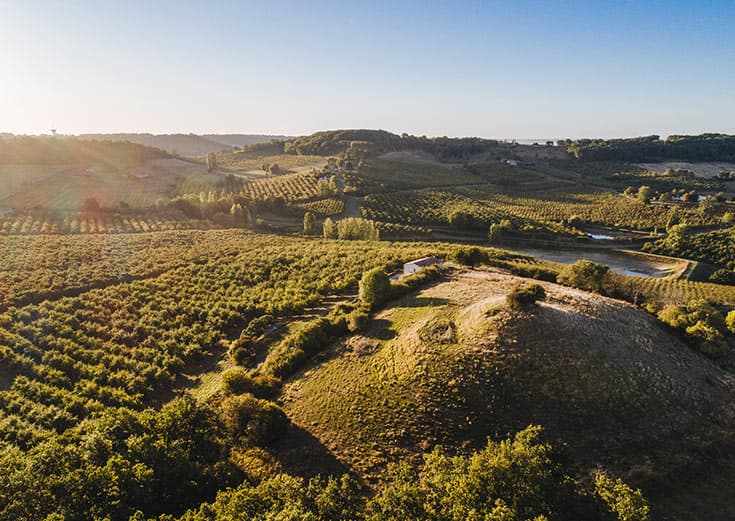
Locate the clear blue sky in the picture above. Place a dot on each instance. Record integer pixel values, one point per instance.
(493, 69)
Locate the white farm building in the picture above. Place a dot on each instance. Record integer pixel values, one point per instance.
(418, 264)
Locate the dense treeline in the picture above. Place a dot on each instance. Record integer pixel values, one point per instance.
(124, 461)
(67, 150)
(704, 147)
(142, 465)
(332, 142)
(520, 478)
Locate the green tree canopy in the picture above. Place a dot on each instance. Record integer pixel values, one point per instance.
(584, 274)
(374, 286)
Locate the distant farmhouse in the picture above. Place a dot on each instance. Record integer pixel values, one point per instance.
(418, 264)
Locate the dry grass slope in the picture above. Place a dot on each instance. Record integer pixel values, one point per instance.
(453, 365)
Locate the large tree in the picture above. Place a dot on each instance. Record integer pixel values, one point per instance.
(374, 286)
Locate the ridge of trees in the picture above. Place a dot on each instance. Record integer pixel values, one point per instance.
(702, 147)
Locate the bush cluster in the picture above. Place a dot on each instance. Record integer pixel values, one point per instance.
(523, 297)
(703, 323)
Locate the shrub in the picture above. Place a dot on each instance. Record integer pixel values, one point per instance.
(730, 321)
(584, 274)
(518, 478)
(293, 350)
(243, 355)
(358, 320)
(470, 256)
(523, 297)
(257, 326)
(464, 220)
(374, 286)
(309, 223)
(414, 281)
(258, 421)
(236, 381)
(702, 323)
(626, 503)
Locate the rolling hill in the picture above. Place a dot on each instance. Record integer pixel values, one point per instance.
(189, 145)
(453, 365)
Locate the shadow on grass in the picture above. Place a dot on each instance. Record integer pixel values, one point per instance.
(302, 454)
(420, 302)
(380, 329)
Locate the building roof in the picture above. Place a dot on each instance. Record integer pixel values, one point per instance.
(425, 261)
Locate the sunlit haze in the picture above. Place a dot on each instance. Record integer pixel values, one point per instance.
(491, 69)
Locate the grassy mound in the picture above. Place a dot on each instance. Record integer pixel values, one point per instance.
(454, 364)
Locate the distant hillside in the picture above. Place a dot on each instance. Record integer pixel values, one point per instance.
(239, 140)
(331, 142)
(69, 150)
(187, 144)
(359, 142)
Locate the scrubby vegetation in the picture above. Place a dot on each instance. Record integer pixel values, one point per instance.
(584, 274)
(514, 479)
(521, 298)
(703, 323)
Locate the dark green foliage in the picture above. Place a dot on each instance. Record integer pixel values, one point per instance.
(374, 287)
(294, 350)
(523, 297)
(239, 381)
(413, 281)
(644, 194)
(309, 223)
(470, 256)
(246, 417)
(704, 147)
(286, 497)
(463, 219)
(236, 381)
(534, 272)
(515, 479)
(123, 461)
(584, 274)
(297, 347)
(334, 142)
(358, 319)
(257, 326)
(243, 353)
